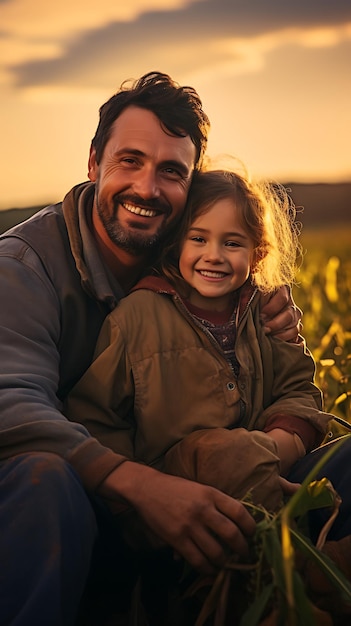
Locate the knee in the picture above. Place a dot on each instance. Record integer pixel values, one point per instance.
(38, 469)
(235, 461)
(42, 478)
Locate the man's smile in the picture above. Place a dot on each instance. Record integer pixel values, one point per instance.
(137, 210)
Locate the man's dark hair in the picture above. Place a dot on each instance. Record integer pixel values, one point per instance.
(179, 110)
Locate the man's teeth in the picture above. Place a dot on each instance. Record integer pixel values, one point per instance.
(139, 210)
(212, 274)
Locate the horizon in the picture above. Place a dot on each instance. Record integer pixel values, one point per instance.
(312, 202)
(284, 183)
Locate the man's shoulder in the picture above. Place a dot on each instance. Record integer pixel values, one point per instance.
(41, 228)
(12, 217)
(40, 241)
(17, 220)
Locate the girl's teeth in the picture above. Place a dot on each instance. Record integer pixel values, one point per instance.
(212, 274)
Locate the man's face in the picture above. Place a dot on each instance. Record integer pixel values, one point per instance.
(142, 180)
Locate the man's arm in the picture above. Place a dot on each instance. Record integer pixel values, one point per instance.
(198, 521)
(280, 316)
(30, 331)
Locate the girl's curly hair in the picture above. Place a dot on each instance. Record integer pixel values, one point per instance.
(268, 217)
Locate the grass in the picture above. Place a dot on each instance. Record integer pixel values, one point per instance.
(323, 292)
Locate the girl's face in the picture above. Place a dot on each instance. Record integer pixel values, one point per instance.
(216, 256)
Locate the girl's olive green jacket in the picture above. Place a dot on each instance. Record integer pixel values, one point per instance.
(158, 375)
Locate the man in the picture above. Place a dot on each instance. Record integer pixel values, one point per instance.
(61, 273)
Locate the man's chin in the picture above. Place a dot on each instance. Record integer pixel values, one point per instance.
(136, 243)
(136, 237)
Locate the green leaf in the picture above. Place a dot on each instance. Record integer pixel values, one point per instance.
(254, 613)
(317, 494)
(288, 560)
(273, 554)
(326, 565)
(291, 508)
(302, 602)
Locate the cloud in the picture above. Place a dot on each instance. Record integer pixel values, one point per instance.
(41, 19)
(37, 30)
(202, 33)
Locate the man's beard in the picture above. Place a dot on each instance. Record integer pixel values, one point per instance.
(133, 240)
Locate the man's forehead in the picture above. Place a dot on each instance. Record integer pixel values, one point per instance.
(141, 129)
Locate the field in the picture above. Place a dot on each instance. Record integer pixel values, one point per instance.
(323, 292)
(273, 590)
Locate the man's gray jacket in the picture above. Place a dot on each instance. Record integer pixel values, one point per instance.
(55, 294)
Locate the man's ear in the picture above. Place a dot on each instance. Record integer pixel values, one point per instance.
(92, 165)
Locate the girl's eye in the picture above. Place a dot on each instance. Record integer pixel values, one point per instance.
(197, 239)
(232, 244)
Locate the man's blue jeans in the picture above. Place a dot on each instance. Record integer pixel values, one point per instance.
(47, 533)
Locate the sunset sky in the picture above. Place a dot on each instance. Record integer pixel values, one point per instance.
(274, 77)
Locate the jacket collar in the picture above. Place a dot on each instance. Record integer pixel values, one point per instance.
(96, 279)
(159, 284)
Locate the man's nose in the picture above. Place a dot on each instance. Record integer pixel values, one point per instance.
(146, 183)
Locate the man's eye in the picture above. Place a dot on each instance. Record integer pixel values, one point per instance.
(170, 172)
(130, 160)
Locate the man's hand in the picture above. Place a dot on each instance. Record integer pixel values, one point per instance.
(198, 521)
(280, 316)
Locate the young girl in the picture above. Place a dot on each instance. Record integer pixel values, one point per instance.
(184, 377)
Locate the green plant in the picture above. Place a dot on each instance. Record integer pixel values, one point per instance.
(323, 292)
(269, 582)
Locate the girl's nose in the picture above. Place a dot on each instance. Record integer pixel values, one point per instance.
(213, 253)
